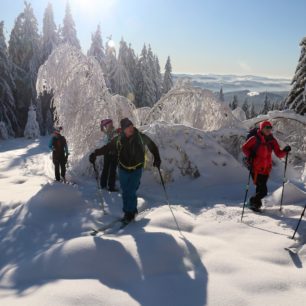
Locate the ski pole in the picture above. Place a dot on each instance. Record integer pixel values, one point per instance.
(303, 212)
(98, 187)
(284, 180)
(167, 198)
(247, 190)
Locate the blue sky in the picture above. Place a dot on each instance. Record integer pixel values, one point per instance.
(259, 37)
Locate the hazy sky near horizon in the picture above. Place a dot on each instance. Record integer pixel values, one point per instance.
(259, 37)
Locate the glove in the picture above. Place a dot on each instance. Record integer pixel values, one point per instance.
(287, 149)
(157, 163)
(92, 158)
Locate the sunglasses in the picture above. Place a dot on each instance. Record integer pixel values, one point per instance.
(268, 127)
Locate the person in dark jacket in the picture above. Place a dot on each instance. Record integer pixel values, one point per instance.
(108, 175)
(130, 149)
(59, 147)
(261, 160)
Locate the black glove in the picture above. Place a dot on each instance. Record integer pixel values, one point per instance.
(287, 149)
(92, 158)
(157, 163)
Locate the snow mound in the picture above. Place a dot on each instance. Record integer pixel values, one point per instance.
(141, 113)
(292, 195)
(239, 114)
(193, 107)
(81, 99)
(190, 152)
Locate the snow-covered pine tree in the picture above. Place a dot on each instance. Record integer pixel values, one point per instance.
(68, 32)
(122, 82)
(234, 103)
(252, 112)
(97, 51)
(31, 130)
(131, 66)
(245, 108)
(221, 95)
(111, 63)
(145, 92)
(50, 37)
(267, 105)
(7, 87)
(154, 76)
(167, 82)
(158, 80)
(24, 50)
(296, 98)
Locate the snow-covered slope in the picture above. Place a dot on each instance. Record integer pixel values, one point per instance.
(141, 113)
(193, 107)
(48, 258)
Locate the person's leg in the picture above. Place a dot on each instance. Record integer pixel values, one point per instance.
(133, 184)
(112, 172)
(124, 177)
(261, 186)
(56, 169)
(261, 190)
(63, 168)
(105, 171)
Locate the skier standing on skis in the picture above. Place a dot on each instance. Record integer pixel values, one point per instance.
(108, 175)
(58, 145)
(130, 150)
(258, 149)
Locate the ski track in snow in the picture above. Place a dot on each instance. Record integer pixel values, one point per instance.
(49, 258)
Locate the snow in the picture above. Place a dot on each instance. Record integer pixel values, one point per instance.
(193, 107)
(32, 128)
(239, 114)
(253, 93)
(48, 258)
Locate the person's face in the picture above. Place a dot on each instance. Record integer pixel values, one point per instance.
(267, 130)
(109, 126)
(129, 131)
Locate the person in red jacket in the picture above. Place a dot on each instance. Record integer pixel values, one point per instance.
(258, 149)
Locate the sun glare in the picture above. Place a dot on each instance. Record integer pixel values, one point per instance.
(93, 7)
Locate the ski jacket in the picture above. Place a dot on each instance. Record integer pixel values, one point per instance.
(130, 151)
(59, 147)
(262, 161)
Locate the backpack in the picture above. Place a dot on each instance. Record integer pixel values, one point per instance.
(248, 160)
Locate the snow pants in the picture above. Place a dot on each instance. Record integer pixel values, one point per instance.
(108, 176)
(129, 183)
(60, 168)
(261, 189)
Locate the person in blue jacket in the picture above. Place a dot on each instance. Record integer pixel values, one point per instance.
(59, 147)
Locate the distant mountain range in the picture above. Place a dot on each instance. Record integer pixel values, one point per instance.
(250, 87)
(231, 83)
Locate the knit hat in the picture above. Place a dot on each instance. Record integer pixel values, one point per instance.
(105, 122)
(263, 124)
(125, 123)
(57, 130)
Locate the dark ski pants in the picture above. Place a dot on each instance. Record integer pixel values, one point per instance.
(129, 183)
(108, 175)
(60, 168)
(260, 180)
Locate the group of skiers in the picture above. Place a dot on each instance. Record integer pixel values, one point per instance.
(125, 149)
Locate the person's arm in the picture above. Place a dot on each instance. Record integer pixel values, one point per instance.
(66, 147)
(278, 152)
(111, 146)
(152, 148)
(248, 146)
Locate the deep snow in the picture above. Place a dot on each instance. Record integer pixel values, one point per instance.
(48, 258)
